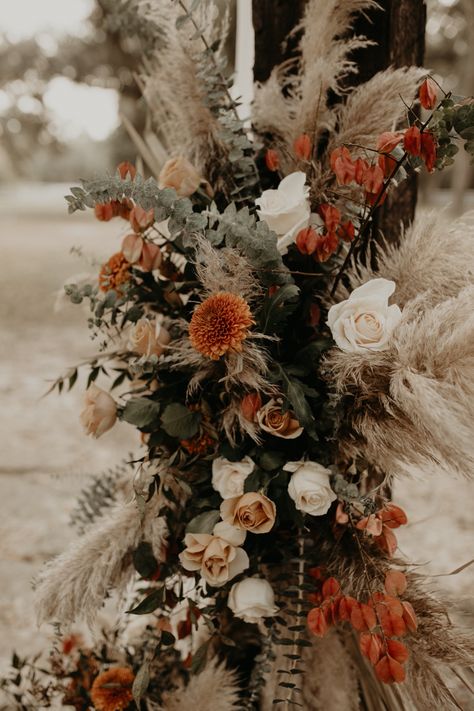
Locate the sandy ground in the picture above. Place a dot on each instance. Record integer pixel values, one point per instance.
(45, 457)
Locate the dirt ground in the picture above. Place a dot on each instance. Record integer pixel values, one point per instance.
(46, 458)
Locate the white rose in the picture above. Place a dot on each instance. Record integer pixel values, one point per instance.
(287, 209)
(228, 477)
(365, 321)
(148, 338)
(309, 487)
(251, 599)
(99, 413)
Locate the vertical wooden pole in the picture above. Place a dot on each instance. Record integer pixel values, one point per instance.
(273, 20)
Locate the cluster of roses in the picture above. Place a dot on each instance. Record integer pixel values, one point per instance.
(378, 621)
(219, 557)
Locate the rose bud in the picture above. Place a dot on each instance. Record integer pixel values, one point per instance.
(273, 420)
(251, 599)
(180, 174)
(100, 411)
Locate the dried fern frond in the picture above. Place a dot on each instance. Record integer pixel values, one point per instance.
(375, 107)
(74, 585)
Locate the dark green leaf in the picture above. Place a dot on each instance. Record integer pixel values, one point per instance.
(149, 604)
(203, 523)
(180, 422)
(141, 411)
(144, 561)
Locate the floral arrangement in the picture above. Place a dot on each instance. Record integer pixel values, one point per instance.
(281, 364)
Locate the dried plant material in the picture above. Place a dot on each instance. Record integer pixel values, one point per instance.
(375, 107)
(214, 688)
(74, 585)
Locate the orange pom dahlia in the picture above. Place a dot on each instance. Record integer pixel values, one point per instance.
(220, 324)
(112, 690)
(114, 273)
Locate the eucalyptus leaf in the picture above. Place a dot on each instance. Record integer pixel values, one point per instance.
(180, 422)
(141, 411)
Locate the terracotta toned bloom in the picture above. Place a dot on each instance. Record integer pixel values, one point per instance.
(220, 324)
(112, 690)
(114, 273)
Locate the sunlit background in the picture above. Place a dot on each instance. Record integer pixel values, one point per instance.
(65, 79)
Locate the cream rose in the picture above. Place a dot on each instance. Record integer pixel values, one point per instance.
(273, 420)
(180, 174)
(365, 321)
(309, 487)
(251, 599)
(99, 413)
(228, 477)
(216, 558)
(251, 512)
(148, 338)
(287, 209)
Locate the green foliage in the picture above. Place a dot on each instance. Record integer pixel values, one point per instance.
(179, 421)
(203, 523)
(453, 123)
(141, 411)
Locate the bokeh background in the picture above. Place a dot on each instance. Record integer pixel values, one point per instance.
(66, 78)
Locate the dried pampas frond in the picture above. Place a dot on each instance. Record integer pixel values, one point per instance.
(409, 409)
(74, 585)
(375, 107)
(214, 688)
(291, 103)
(434, 257)
(174, 81)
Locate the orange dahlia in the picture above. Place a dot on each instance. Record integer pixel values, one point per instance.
(114, 273)
(112, 690)
(220, 324)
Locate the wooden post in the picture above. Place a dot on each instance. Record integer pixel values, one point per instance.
(399, 30)
(273, 20)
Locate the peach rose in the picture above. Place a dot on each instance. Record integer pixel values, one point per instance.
(273, 420)
(148, 338)
(180, 174)
(100, 411)
(251, 512)
(218, 559)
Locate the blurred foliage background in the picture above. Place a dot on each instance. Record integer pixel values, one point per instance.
(62, 89)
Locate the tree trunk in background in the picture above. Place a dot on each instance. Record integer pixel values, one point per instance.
(399, 30)
(273, 20)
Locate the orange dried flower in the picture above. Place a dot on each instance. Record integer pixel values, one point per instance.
(220, 324)
(302, 147)
(199, 444)
(112, 690)
(114, 273)
(272, 160)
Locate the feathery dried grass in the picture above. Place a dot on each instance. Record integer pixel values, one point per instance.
(410, 409)
(214, 688)
(376, 106)
(294, 102)
(74, 585)
(174, 88)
